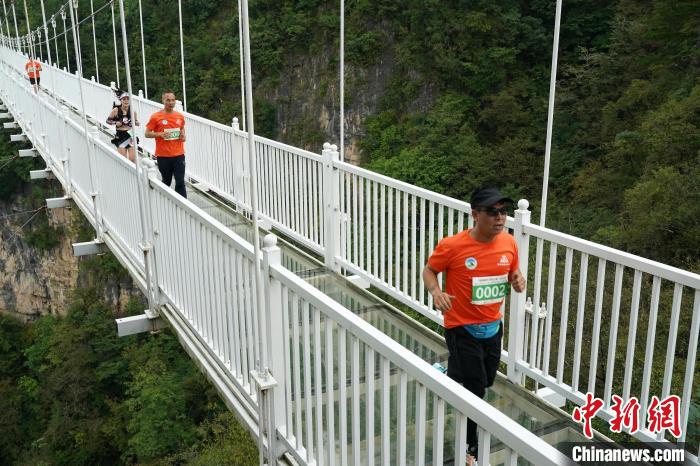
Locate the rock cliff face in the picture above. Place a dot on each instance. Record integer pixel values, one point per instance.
(35, 282)
(307, 102)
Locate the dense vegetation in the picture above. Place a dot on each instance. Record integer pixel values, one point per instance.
(72, 393)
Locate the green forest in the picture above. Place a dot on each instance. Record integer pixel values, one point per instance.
(465, 104)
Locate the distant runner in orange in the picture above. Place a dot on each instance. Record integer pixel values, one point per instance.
(168, 128)
(33, 69)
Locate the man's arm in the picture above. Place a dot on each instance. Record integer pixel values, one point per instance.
(517, 280)
(152, 134)
(182, 133)
(443, 301)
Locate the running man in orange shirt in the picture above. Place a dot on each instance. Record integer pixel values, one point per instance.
(33, 69)
(168, 128)
(481, 264)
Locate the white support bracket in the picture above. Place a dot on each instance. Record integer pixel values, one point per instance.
(10, 125)
(359, 281)
(46, 173)
(5, 116)
(264, 224)
(149, 321)
(28, 152)
(202, 186)
(57, 202)
(3, 107)
(18, 137)
(89, 248)
(552, 397)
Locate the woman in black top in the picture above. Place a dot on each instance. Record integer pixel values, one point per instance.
(120, 116)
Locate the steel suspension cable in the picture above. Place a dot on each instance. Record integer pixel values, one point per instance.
(262, 350)
(55, 40)
(14, 17)
(76, 35)
(91, 167)
(48, 45)
(94, 40)
(342, 80)
(182, 57)
(137, 160)
(143, 53)
(240, 44)
(65, 37)
(114, 35)
(29, 34)
(46, 33)
(7, 21)
(550, 114)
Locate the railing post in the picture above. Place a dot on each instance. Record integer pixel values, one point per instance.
(274, 310)
(148, 173)
(65, 152)
(234, 124)
(95, 193)
(331, 206)
(518, 301)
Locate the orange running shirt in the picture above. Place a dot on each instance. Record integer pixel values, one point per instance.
(477, 276)
(172, 123)
(33, 68)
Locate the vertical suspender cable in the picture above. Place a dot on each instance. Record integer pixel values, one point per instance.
(46, 33)
(39, 43)
(114, 34)
(76, 36)
(55, 41)
(342, 80)
(30, 34)
(550, 114)
(137, 159)
(73, 4)
(143, 54)
(65, 36)
(182, 57)
(14, 17)
(262, 350)
(94, 40)
(240, 44)
(7, 21)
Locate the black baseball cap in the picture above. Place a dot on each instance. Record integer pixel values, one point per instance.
(488, 196)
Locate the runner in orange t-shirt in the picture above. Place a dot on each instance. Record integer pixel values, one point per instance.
(168, 128)
(481, 265)
(33, 69)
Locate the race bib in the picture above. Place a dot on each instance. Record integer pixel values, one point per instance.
(171, 134)
(489, 290)
(30, 69)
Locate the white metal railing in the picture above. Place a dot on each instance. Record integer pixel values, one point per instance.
(625, 290)
(384, 230)
(204, 272)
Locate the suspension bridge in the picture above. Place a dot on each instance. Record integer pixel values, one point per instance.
(304, 332)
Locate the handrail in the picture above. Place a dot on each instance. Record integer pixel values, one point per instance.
(642, 264)
(486, 416)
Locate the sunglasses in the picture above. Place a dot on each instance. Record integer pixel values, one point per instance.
(493, 211)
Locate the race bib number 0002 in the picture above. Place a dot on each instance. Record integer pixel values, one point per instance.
(489, 290)
(171, 134)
